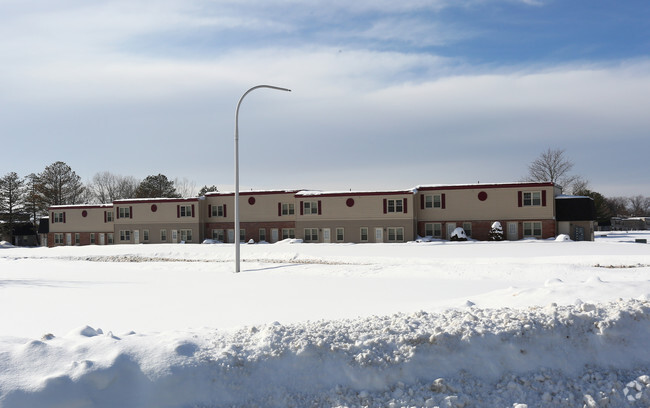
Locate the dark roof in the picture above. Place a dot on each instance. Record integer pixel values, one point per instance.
(44, 226)
(575, 209)
(24, 228)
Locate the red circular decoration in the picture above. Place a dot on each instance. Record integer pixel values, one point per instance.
(482, 196)
(251, 200)
(154, 208)
(349, 202)
(84, 213)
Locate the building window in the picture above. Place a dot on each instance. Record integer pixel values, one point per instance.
(92, 238)
(339, 234)
(163, 235)
(288, 209)
(288, 233)
(217, 235)
(109, 238)
(262, 234)
(145, 235)
(433, 201)
(186, 235)
(58, 217)
(242, 235)
(396, 206)
(77, 238)
(109, 216)
(217, 210)
(467, 226)
(124, 212)
(533, 229)
(125, 235)
(310, 207)
(311, 234)
(395, 234)
(532, 198)
(185, 210)
(433, 230)
(364, 234)
(58, 239)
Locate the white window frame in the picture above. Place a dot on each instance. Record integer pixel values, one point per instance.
(530, 229)
(185, 210)
(395, 234)
(109, 216)
(109, 238)
(289, 209)
(92, 238)
(288, 233)
(58, 239)
(310, 207)
(77, 238)
(532, 198)
(363, 231)
(340, 234)
(125, 235)
(262, 235)
(163, 235)
(124, 212)
(395, 205)
(218, 235)
(145, 235)
(217, 210)
(311, 234)
(58, 217)
(435, 229)
(186, 235)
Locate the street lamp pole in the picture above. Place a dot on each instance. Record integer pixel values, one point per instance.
(237, 233)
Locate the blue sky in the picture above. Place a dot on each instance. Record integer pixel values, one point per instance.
(384, 94)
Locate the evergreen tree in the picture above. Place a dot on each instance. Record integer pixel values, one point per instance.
(206, 189)
(155, 187)
(33, 201)
(60, 185)
(496, 232)
(11, 198)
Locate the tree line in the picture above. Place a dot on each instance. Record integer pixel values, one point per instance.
(26, 199)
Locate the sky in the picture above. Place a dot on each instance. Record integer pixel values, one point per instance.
(384, 94)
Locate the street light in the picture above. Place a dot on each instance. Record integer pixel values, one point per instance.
(237, 237)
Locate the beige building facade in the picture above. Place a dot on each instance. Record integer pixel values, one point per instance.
(525, 210)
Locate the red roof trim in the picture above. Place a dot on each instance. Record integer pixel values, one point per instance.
(484, 186)
(79, 207)
(247, 193)
(157, 200)
(355, 194)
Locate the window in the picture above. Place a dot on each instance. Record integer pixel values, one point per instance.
(58, 239)
(145, 235)
(339, 234)
(125, 235)
(287, 209)
(467, 226)
(433, 230)
(110, 237)
(217, 211)
(311, 234)
(395, 234)
(364, 234)
(109, 216)
(124, 212)
(58, 217)
(262, 234)
(437, 201)
(532, 198)
(310, 207)
(92, 237)
(185, 210)
(533, 229)
(217, 235)
(186, 235)
(288, 233)
(396, 206)
(163, 235)
(242, 235)
(77, 238)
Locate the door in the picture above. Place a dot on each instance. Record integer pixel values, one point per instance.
(379, 235)
(136, 236)
(326, 236)
(513, 233)
(231, 235)
(102, 239)
(68, 239)
(174, 236)
(274, 235)
(451, 226)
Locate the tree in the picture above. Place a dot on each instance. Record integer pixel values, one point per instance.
(107, 187)
(60, 185)
(33, 201)
(156, 186)
(603, 212)
(617, 206)
(11, 197)
(552, 166)
(496, 232)
(184, 187)
(639, 205)
(206, 189)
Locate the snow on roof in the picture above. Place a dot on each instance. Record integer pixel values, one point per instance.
(484, 185)
(566, 196)
(80, 206)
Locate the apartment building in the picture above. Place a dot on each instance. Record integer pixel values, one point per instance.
(525, 210)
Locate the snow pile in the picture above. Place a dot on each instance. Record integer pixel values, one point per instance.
(590, 355)
(5, 244)
(563, 238)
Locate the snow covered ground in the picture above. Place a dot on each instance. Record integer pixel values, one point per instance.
(463, 324)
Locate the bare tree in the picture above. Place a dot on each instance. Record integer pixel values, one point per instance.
(185, 187)
(553, 166)
(107, 187)
(34, 204)
(617, 205)
(639, 205)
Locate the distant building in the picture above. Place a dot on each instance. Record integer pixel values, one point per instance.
(526, 210)
(630, 223)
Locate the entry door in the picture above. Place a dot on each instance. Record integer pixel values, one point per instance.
(174, 236)
(136, 236)
(451, 226)
(513, 233)
(102, 239)
(68, 239)
(379, 235)
(274, 235)
(326, 236)
(231, 235)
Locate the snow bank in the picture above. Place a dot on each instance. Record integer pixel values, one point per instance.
(5, 244)
(583, 355)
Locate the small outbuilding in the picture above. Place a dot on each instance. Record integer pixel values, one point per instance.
(575, 216)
